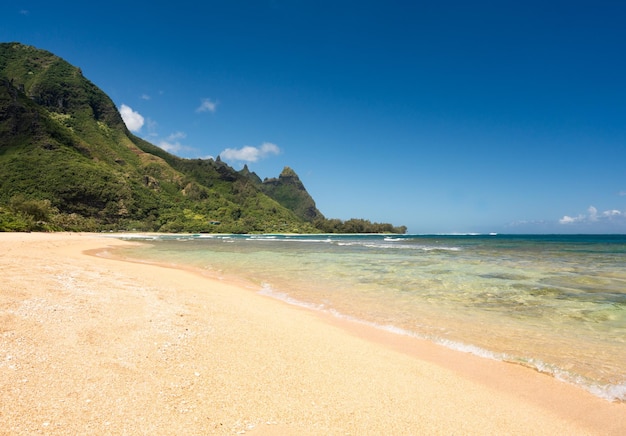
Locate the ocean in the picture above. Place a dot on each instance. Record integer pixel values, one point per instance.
(554, 303)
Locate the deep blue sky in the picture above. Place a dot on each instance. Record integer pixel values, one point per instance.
(448, 116)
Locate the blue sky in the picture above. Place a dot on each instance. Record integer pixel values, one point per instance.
(450, 116)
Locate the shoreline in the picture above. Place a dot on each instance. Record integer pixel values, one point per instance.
(93, 344)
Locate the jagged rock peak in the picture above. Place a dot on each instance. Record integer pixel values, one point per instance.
(288, 172)
(286, 177)
(250, 175)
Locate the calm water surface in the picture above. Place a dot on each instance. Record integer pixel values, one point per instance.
(555, 303)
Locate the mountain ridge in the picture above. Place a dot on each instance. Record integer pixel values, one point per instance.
(68, 162)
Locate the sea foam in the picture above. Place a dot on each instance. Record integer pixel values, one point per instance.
(610, 392)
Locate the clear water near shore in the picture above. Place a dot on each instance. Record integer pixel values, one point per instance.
(556, 303)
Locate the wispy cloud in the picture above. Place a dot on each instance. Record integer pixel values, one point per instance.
(521, 223)
(152, 127)
(622, 193)
(24, 12)
(172, 143)
(593, 216)
(133, 120)
(145, 97)
(207, 105)
(249, 153)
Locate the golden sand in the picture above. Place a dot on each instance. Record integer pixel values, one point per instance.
(95, 345)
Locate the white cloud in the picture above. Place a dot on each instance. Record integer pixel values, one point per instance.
(269, 148)
(249, 153)
(133, 120)
(207, 105)
(593, 216)
(612, 213)
(570, 220)
(145, 97)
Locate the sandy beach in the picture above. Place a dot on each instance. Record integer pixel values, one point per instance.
(91, 344)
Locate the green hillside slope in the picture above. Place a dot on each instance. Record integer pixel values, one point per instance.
(68, 162)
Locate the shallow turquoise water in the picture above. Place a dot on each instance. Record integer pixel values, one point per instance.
(556, 303)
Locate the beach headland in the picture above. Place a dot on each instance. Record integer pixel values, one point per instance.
(98, 345)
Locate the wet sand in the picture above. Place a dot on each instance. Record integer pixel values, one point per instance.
(96, 345)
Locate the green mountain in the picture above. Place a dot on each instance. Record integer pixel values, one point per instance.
(68, 162)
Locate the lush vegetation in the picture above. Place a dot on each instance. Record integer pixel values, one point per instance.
(356, 225)
(289, 191)
(67, 162)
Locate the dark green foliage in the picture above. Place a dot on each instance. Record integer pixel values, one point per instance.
(289, 191)
(68, 162)
(27, 215)
(356, 225)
